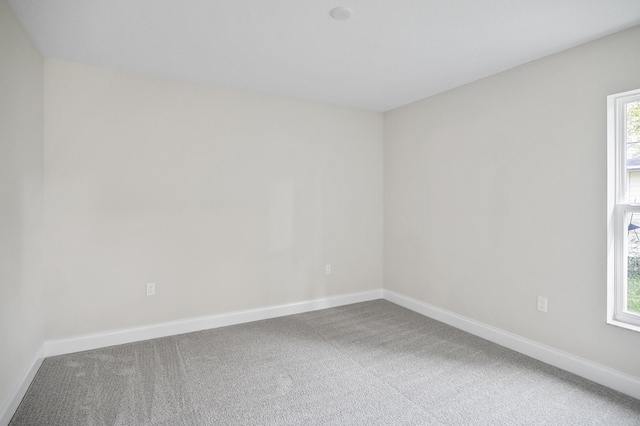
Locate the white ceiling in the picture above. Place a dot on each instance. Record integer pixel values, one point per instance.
(388, 54)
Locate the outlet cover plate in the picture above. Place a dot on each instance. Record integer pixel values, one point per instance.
(542, 304)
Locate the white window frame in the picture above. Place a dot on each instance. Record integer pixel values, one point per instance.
(618, 207)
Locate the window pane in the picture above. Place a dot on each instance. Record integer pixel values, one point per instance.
(633, 121)
(633, 151)
(633, 262)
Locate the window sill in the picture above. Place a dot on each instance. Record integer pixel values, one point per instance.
(624, 325)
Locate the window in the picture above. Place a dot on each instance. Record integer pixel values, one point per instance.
(623, 135)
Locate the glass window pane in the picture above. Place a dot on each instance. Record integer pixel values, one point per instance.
(633, 263)
(633, 152)
(633, 122)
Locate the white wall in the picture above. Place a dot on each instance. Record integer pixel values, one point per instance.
(495, 193)
(225, 199)
(21, 195)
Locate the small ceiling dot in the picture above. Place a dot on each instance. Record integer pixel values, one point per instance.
(341, 13)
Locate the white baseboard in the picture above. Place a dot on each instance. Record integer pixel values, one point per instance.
(12, 402)
(118, 337)
(589, 370)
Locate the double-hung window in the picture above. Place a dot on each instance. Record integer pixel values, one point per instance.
(623, 127)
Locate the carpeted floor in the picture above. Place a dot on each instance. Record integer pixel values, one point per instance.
(372, 363)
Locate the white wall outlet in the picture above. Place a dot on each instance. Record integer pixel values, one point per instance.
(151, 289)
(327, 269)
(542, 304)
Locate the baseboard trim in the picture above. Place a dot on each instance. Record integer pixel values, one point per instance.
(119, 337)
(14, 399)
(589, 370)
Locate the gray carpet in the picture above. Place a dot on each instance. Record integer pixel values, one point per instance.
(372, 363)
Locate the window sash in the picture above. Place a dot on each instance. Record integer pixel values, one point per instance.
(621, 255)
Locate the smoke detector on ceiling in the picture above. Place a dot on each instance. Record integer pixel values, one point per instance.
(341, 13)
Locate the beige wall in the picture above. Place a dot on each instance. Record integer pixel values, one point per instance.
(21, 194)
(495, 193)
(227, 200)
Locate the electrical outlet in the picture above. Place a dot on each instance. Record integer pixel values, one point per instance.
(542, 304)
(151, 289)
(327, 269)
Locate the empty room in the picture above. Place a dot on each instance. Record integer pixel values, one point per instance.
(242, 212)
